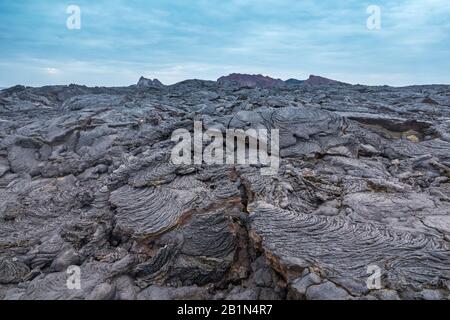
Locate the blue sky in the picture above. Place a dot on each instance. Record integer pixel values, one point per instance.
(173, 40)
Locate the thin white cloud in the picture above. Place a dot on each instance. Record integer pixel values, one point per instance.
(51, 71)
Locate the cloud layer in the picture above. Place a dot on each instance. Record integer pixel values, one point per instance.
(176, 39)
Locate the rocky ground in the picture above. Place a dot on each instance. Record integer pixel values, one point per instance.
(86, 179)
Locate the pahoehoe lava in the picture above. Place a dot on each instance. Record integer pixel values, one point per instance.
(86, 179)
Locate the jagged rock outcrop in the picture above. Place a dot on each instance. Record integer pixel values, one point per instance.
(144, 82)
(86, 180)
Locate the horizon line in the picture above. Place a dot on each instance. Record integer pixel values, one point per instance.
(2, 87)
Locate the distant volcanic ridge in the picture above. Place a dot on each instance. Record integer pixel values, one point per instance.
(294, 82)
(317, 80)
(144, 82)
(260, 81)
(250, 80)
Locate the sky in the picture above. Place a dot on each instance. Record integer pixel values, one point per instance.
(173, 40)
